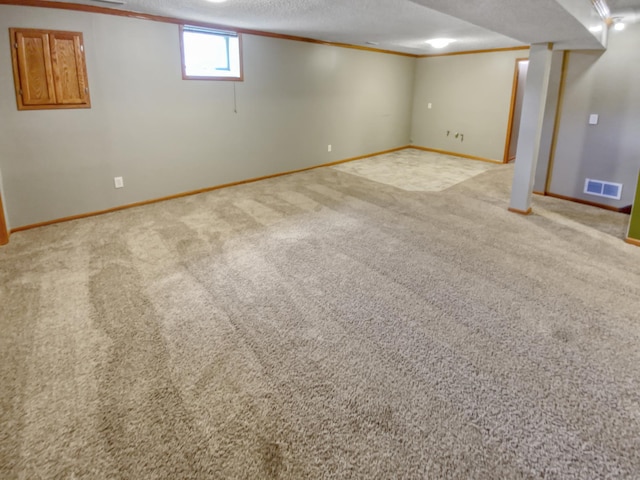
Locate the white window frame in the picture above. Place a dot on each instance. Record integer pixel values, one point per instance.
(233, 41)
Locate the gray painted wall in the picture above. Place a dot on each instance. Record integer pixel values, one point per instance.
(607, 84)
(165, 135)
(470, 94)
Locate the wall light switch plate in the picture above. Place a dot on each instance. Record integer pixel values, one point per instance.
(118, 182)
(429, 105)
(593, 119)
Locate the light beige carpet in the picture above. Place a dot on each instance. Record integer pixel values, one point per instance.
(416, 170)
(321, 325)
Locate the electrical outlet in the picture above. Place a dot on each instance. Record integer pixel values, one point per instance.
(328, 148)
(118, 182)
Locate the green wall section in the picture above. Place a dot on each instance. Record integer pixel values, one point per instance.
(634, 223)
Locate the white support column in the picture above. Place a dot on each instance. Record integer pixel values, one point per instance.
(549, 122)
(532, 125)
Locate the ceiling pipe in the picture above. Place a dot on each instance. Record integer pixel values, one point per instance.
(602, 8)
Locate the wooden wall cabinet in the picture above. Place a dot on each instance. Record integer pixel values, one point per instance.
(49, 69)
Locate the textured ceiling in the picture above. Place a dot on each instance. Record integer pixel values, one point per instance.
(399, 25)
(538, 21)
(623, 4)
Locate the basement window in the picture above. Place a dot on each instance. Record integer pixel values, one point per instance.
(209, 54)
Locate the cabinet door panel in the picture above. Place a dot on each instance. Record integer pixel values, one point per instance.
(34, 65)
(69, 73)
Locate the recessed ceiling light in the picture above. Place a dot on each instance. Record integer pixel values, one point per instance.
(440, 42)
(595, 29)
(216, 1)
(619, 26)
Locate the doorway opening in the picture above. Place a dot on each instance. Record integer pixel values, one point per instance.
(517, 95)
(4, 233)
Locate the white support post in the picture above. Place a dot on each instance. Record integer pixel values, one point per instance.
(533, 131)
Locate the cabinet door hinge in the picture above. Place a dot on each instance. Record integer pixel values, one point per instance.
(82, 48)
(20, 90)
(15, 45)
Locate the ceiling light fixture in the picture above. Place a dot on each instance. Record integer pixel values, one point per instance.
(619, 26)
(440, 42)
(216, 1)
(595, 29)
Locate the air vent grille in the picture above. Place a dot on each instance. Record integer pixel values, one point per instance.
(601, 188)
